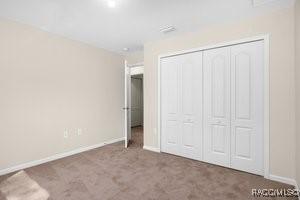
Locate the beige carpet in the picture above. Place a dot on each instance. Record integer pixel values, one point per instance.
(115, 173)
(21, 187)
(137, 137)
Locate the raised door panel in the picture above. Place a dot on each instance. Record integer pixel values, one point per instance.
(247, 107)
(217, 106)
(218, 139)
(243, 143)
(172, 132)
(218, 85)
(191, 105)
(242, 85)
(170, 113)
(188, 135)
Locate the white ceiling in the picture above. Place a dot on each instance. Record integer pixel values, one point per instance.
(132, 22)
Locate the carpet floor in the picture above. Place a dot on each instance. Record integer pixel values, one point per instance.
(114, 173)
(137, 137)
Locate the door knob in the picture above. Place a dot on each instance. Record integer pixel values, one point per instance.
(126, 108)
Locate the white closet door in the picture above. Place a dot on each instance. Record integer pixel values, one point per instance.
(181, 105)
(247, 72)
(170, 113)
(217, 106)
(191, 105)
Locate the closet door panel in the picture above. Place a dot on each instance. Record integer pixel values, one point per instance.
(181, 105)
(191, 118)
(217, 106)
(247, 71)
(170, 109)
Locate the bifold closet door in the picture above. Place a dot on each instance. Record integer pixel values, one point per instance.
(233, 106)
(212, 106)
(181, 105)
(247, 81)
(216, 107)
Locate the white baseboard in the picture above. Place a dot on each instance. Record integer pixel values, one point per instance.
(55, 157)
(285, 180)
(297, 187)
(149, 148)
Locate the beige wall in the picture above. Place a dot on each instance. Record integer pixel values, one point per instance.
(280, 26)
(49, 84)
(298, 88)
(134, 58)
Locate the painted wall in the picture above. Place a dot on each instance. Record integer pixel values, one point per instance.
(135, 57)
(280, 25)
(298, 88)
(49, 84)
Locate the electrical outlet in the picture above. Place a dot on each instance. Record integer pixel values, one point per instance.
(66, 134)
(79, 131)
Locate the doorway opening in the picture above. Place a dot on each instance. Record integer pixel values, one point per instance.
(134, 106)
(137, 111)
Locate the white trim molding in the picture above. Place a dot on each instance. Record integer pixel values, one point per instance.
(141, 64)
(154, 149)
(266, 40)
(297, 188)
(137, 70)
(285, 180)
(56, 157)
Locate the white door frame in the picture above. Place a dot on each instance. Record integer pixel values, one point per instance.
(266, 39)
(127, 102)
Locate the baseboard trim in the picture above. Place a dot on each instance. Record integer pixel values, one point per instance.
(285, 180)
(154, 149)
(56, 157)
(297, 188)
